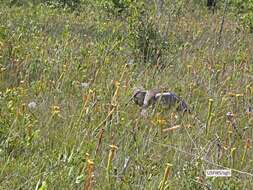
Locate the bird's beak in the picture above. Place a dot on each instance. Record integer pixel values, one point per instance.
(129, 100)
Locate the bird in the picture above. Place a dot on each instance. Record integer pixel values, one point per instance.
(146, 98)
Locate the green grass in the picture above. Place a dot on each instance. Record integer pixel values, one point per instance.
(45, 55)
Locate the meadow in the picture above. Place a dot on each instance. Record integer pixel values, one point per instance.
(67, 74)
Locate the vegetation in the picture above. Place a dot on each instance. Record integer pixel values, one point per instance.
(68, 69)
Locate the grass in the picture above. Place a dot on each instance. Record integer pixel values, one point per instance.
(80, 68)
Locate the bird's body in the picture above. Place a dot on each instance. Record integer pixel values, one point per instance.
(147, 98)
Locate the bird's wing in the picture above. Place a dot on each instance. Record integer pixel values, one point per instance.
(167, 98)
(170, 99)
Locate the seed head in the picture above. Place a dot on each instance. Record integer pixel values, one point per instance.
(32, 105)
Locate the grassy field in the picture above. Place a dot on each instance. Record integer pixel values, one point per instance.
(66, 76)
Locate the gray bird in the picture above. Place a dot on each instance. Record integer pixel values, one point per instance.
(147, 98)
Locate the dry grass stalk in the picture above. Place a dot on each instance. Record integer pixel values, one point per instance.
(165, 176)
(89, 178)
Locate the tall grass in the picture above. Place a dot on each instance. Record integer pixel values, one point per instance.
(65, 77)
